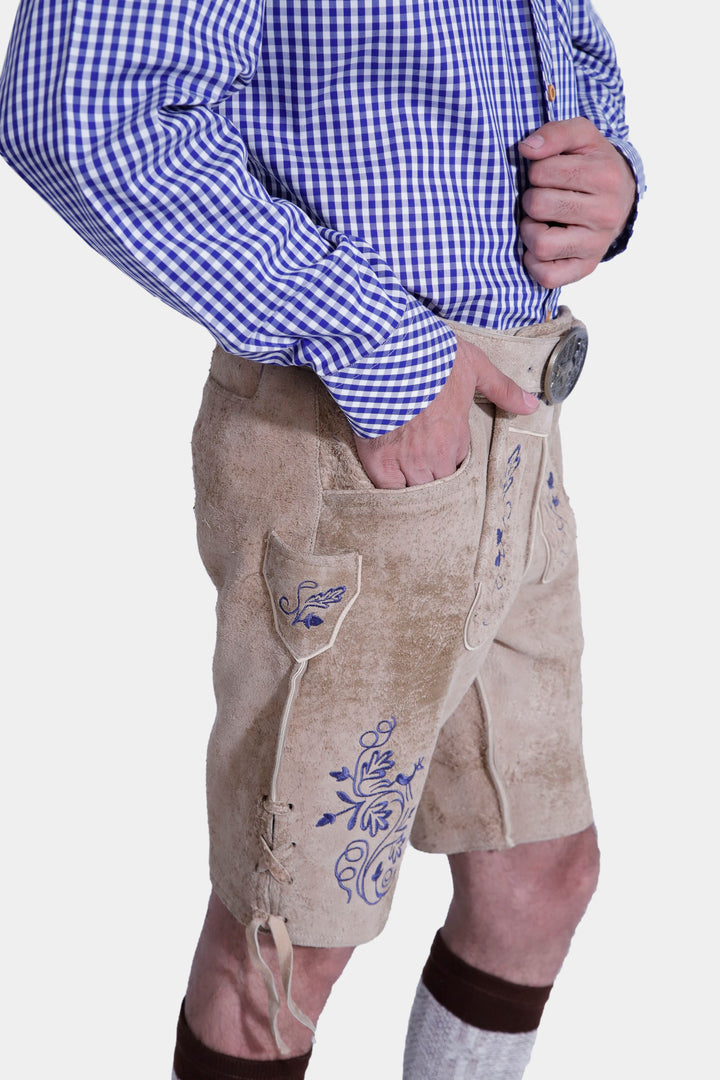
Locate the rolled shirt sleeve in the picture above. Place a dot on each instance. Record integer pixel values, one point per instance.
(107, 108)
(601, 96)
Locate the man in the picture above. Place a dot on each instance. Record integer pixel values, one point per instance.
(334, 191)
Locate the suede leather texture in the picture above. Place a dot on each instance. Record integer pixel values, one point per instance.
(390, 665)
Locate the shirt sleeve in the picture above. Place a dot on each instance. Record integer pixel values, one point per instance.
(108, 109)
(601, 97)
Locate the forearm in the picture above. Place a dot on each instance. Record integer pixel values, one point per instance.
(111, 120)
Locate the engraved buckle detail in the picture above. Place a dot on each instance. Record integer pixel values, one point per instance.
(564, 365)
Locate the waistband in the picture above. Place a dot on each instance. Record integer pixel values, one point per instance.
(523, 354)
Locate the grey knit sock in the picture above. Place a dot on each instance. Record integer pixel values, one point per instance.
(439, 1046)
(467, 1024)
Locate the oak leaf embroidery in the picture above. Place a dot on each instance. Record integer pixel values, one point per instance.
(320, 601)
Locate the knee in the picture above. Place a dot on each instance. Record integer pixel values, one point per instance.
(321, 966)
(554, 877)
(561, 879)
(514, 912)
(573, 876)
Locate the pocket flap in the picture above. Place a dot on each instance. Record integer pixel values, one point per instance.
(311, 595)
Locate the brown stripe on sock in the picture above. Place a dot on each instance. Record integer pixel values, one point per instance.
(482, 1000)
(195, 1061)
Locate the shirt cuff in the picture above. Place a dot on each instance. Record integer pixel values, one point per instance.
(401, 378)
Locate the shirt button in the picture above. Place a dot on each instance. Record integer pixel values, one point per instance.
(551, 92)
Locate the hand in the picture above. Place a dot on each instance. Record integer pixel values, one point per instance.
(437, 440)
(581, 196)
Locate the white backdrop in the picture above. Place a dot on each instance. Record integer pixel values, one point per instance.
(107, 622)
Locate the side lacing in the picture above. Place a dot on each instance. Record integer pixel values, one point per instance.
(284, 949)
(271, 863)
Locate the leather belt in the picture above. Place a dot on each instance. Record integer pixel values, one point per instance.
(545, 359)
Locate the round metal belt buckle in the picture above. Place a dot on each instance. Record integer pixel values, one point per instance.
(564, 365)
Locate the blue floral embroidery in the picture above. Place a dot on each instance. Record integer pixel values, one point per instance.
(554, 502)
(381, 806)
(513, 463)
(321, 600)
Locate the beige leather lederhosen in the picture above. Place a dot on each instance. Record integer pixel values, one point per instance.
(391, 666)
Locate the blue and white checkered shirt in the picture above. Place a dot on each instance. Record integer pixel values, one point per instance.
(318, 182)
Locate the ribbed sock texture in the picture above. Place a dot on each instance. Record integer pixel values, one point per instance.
(195, 1061)
(483, 1000)
(441, 1047)
(468, 1025)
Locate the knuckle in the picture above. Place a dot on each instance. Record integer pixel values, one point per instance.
(388, 476)
(545, 247)
(534, 200)
(574, 175)
(567, 209)
(539, 173)
(548, 275)
(528, 232)
(608, 218)
(542, 276)
(528, 201)
(443, 451)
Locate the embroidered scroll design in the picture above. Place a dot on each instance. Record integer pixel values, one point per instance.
(379, 805)
(320, 601)
(553, 503)
(513, 463)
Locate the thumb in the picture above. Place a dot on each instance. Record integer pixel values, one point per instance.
(559, 137)
(501, 390)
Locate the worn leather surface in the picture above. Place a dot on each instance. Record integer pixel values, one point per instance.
(432, 634)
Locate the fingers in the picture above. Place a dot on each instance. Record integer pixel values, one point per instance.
(561, 137)
(559, 255)
(384, 471)
(550, 242)
(575, 157)
(551, 275)
(399, 459)
(588, 172)
(500, 389)
(571, 208)
(581, 193)
(433, 444)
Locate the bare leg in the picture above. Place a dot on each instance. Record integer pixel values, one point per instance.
(226, 1002)
(507, 932)
(513, 913)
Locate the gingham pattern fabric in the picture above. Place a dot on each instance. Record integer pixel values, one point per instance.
(314, 182)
